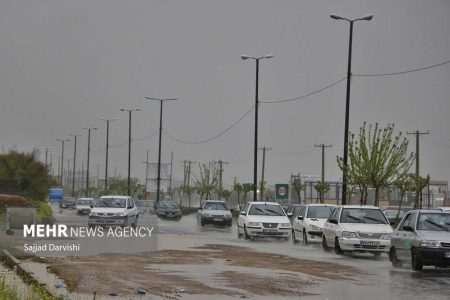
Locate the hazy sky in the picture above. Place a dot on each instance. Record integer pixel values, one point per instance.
(64, 64)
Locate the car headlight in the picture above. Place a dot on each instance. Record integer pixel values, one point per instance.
(285, 225)
(207, 215)
(429, 244)
(348, 235)
(93, 214)
(122, 214)
(386, 236)
(254, 224)
(314, 227)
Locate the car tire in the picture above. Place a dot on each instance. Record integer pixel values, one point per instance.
(305, 237)
(416, 261)
(134, 225)
(238, 232)
(293, 237)
(246, 236)
(325, 245)
(394, 259)
(202, 223)
(337, 247)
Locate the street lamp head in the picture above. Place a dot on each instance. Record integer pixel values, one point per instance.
(137, 109)
(336, 17)
(244, 57)
(268, 56)
(122, 109)
(367, 18)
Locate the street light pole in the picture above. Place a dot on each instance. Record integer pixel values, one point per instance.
(347, 100)
(255, 150)
(74, 160)
(129, 145)
(88, 156)
(107, 149)
(160, 138)
(62, 159)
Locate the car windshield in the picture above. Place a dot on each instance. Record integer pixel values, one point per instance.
(167, 205)
(319, 212)
(434, 222)
(266, 210)
(84, 202)
(215, 206)
(111, 202)
(144, 203)
(393, 213)
(363, 215)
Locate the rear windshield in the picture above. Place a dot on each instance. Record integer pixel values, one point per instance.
(363, 215)
(144, 203)
(215, 206)
(319, 212)
(167, 205)
(84, 202)
(111, 202)
(266, 210)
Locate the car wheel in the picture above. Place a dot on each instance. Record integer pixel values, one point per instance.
(305, 237)
(134, 225)
(324, 244)
(202, 223)
(394, 259)
(238, 232)
(246, 236)
(416, 261)
(337, 247)
(294, 239)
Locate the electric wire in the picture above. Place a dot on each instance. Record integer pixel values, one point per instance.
(403, 72)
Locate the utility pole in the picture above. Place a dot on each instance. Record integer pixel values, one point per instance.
(107, 149)
(171, 169)
(221, 162)
(323, 146)
(264, 149)
(74, 161)
(146, 175)
(82, 175)
(417, 133)
(184, 172)
(62, 159)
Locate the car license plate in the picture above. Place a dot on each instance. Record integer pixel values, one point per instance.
(370, 243)
(217, 219)
(447, 254)
(269, 230)
(169, 214)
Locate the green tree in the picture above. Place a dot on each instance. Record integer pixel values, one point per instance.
(246, 188)
(237, 187)
(188, 190)
(403, 183)
(226, 194)
(119, 186)
(262, 186)
(322, 188)
(208, 180)
(23, 174)
(376, 157)
(298, 187)
(419, 183)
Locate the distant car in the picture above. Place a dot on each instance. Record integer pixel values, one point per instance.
(83, 205)
(259, 219)
(67, 203)
(146, 206)
(168, 209)
(292, 211)
(214, 212)
(308, 224)
(357, 229)
(391, 214)
(444, 208)
(114, 211)
(423, 238)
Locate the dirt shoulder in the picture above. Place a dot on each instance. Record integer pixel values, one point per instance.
(209, 269)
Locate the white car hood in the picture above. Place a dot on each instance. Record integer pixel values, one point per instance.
(108, 210)
(83, 206)
(441, 236)
(366, 228)
(268, 219)
(217, 212)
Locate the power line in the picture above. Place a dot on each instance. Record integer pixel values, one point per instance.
(403, 72)
(307, 95)
(211, 138)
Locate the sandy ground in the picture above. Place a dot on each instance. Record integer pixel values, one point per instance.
(211, 269)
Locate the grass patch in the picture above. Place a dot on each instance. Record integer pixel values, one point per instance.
(33, 292)
(188, 210)
(44, 212)
(70, 275)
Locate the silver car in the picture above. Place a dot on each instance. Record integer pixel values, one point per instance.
(214, 212)
(423, 238)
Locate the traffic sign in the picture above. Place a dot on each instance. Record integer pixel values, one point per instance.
(281, 191)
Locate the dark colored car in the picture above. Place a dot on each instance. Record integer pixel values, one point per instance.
(292, 211)
(146, 206)
(168, 209)
(68, 203)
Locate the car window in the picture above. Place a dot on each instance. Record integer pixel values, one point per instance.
(131, 202)
(266, 210)
(297, 210)
(412, 221)
(363, 215)
(301, 211)
(111, 202)
(433, 222)
(215, 206)
(333, 215)
(83, 202)
(244, 210)
(319, 212)
(405, 221)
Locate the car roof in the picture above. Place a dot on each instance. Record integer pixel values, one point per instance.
(296, 204)
(266, 203)
(222, 201)
(319, 204)
(115, 196)
(434, 211)
(359, 206)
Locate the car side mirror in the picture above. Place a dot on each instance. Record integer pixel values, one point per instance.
(300, 217)
(91, 206)
(200, 208)
(129, 207)
(408, 228)
(289, 215)
(333, 221)
(242, 213)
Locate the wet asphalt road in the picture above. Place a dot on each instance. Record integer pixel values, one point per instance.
(382, 281)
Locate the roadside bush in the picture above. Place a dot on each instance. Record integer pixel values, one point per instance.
(44, 212)
(188, 210)
(13, 200)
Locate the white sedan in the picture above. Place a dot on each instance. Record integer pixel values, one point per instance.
(263, 219)
(307, 226)
(357, 228)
